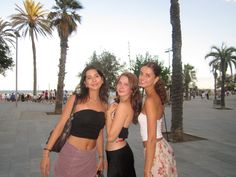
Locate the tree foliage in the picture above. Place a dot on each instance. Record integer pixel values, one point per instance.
(224, 57)
(140, 60)
(65, 19)
(6, 33)
(31, 20)
(109, 65)
(230, 83)
(6, 61)
(189, 75)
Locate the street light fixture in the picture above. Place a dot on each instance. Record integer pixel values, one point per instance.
(16, 35)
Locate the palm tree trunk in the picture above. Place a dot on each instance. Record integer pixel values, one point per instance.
(215, 76)
(61, 75)
(223, 64)
(34, 63)
(187, 93)
(177, 78)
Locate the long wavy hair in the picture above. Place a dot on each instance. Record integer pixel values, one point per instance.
(136, 98)
(160, 85)
(84, 91)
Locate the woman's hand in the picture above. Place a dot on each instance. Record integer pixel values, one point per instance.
(148, 174)
(111, 109)
(45, 165)
(100, 165)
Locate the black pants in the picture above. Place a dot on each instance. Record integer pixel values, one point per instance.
(121, 163)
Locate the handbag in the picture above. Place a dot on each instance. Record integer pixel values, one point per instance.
(61, 140)
(99, 174)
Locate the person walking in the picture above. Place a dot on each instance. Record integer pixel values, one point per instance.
(159, 155)
(77, 157)
(119, 117)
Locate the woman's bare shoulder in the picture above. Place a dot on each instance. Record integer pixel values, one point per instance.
(124, 107)
(104, 107)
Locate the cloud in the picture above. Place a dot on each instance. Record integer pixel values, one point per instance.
(230, 0)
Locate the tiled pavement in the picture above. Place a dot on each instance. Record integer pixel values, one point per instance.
(23, 130)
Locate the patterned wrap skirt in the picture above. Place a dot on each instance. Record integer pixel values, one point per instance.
(164, 164)
(121, 162)
(72, 162)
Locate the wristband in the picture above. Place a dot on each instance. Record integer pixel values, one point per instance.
(46, 149)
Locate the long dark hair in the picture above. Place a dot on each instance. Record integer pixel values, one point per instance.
(136, 98)
(160, 85)
(84, 91)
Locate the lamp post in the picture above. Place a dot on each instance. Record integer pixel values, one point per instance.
(168, 51)
(16, 35)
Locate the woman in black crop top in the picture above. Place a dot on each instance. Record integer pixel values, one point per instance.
(78, 158)
(118, 118)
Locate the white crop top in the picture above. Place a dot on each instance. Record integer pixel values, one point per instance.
(142, 118)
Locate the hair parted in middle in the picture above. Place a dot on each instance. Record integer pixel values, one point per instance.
(84, 91)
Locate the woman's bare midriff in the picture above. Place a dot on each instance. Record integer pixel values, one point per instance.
(115, 145)
(81, 143)
(145, 142)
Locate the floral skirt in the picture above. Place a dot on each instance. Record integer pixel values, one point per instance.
(164, 164)
(72, 162)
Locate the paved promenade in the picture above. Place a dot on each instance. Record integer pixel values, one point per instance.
(23, 130)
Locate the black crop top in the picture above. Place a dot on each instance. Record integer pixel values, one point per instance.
(87, 123)
(124, 133)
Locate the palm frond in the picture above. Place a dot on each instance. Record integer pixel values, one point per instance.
(64, 16)
(6, 33)
(33, 16)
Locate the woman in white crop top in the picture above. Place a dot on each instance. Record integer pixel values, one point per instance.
(159, 155)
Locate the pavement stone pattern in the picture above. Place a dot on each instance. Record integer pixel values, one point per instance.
(25, 127)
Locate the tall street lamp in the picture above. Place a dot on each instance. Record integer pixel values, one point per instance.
(16, 35)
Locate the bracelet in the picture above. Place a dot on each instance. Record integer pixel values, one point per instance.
(100, 156)
(46, 149)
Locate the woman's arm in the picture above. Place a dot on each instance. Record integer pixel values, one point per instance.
(100, 150)
(61, 123)
(152, 109)
(45, 162)
(115, 124)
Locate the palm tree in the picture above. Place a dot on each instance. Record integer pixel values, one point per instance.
(215, 68)
(6, 61)
(189, 76)
(226, 56)
(6, 33)
(32, 20)
(6, 37)
(177, 77)
(64, 18)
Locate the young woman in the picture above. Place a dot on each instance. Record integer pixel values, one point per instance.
(159, 156)
(78, 155)
(119, 116)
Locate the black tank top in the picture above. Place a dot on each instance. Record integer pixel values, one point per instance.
(124, 133)
(87, 123)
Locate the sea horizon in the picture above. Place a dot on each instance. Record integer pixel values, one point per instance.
(26, 91)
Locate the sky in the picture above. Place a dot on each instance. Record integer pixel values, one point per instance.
(124, 27)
